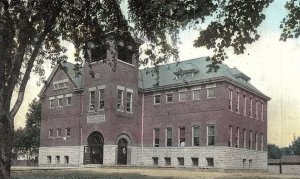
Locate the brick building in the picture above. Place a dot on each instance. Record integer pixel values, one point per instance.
(115, 114)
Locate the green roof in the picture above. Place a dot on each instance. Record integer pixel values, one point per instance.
(71, 72)
(167, 76)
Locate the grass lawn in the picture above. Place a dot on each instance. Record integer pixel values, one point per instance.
(137, 173)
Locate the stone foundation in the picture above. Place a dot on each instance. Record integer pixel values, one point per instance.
(219, 157)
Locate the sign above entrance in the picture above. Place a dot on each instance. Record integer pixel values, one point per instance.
(96, 118)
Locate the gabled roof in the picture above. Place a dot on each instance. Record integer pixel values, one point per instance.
(167, 76)
(69, 69)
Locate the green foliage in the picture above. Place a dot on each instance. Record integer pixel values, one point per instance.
(27, 140)
(291, 23)
(295, 147)
(274, 152)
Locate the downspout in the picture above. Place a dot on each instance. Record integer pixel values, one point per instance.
(80, 127)
(143, 106)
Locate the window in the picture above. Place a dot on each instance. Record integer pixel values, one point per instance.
(169, 136)
(210, 135)
(245, 105)
(250, 163)
(182, 136)
(51, 102)
(69, 99)
(167, 161)
(125, 53)
(262, 112)
(238, 102)
(101, 99)
(58, 132)
(210, 89)
(256, 141)
(256, 110)
(155, 161)
(210, 162)
(57, 159)
(195, 161)
(182, 96)
(169, 98)
(68, 132)
(244, 163)
(262, 142)
(61, 84)
(120, 99)
(230, 100)
(51, 133)
(196, 94)
(230, 138)
(48, 159)
(237, 144)
(196, 136)
(180, 161)
(156, 137)
(245, 138)
(92, 99)
(157, 99)
(66, 159)
(250, 140)
(60, 101)
(251, 108)
(129, 101)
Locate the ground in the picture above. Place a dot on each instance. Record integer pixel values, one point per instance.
(136, 173)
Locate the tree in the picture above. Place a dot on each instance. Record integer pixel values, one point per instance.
(27, 140)
(31, 32)
(291, 23)
(295, 147)
(274, 152)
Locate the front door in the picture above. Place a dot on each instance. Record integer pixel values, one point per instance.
(93, 153)
(122, 152)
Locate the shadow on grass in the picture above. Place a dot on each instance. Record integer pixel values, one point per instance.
(78, 175)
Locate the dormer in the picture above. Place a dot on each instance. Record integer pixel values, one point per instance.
(186, 71)
(242, 77)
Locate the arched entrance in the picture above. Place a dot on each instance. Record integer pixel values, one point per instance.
(93, 152)
(122, 151)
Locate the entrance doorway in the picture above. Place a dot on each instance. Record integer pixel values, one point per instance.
(122, 151)
(93, 152)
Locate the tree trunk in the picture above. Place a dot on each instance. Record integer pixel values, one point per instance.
(6, 142)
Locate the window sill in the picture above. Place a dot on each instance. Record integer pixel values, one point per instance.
(100, 109)
(156, 104)
(196, 100)
(169, 102)
(60, 88)
(129, 112)
(120, 110)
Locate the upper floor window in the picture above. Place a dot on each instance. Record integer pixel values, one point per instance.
(210, 89)
(156, 137)
(182, 96)
(92, 103)
(196, 93)
(98, 53)
(129, 100)
(50, 133)
(101, 97)
(169, 136)
(51, 102)
(256, 109)
(157, 99)
(169, 97)
(182, 136)
(196, 135)
(245, 105)
(61, 84)
(251, 108)
(210, 135)
(60, 101)
(125, 53)
(120, 98)
(238, 102)
(69, 99)
(262, 111)
(58, 132)
(230, 100)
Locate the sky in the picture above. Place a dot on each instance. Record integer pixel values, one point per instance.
(272, 65)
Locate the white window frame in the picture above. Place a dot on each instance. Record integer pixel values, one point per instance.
(208, 87)
(166, 137)
(251, 140)
(66, 131)
(245, 138)
(262, 112)
(49, 132)
(262, 142)
(51, 102)
(68, 102)
(180, 92)
(251, 107)
(245, 105)
(99, 100)
(230, 99)
(198, 89)
(179, 135)
(167, 97)
(238, 102)
(122, 89)
(193, 135)
(57, 83)
(210, 136)
(256, 109)
(58, 136)
(60, 104)
(256, 140)
(93, 89)
(154, 97)
(231, 136)
(237, 137)
(154, 137)
(130, 100)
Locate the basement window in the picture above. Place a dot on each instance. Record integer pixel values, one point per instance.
(49, 159)
(167, 161)
(66, 159)
(155, 161)
(195, 162)
(180, 161)
(210, 162)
